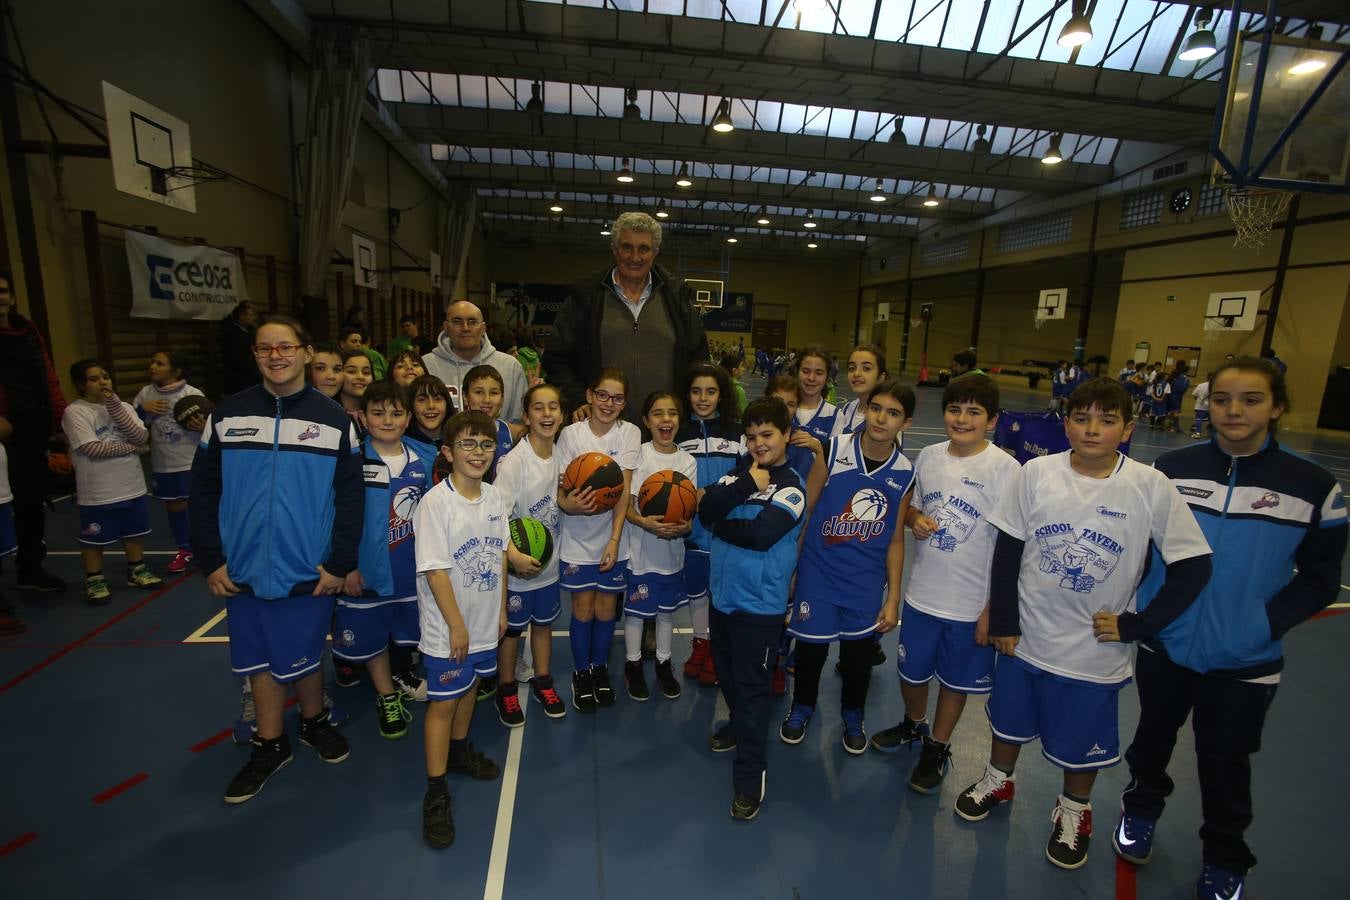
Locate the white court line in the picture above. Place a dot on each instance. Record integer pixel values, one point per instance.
(506, 807)
(199, 636)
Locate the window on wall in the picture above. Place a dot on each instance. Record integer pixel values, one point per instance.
(1143, 208)
(1041, 231)
(1210, 202)
(879, 264)
(948, 251)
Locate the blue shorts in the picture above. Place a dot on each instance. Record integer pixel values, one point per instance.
(108, 523)
(820, 622)
(651, 593)
(362, 632)
(9, 538)
(1158, 407)
(697, 570)
(447, 680)
(1077, 721)
(1201, 418)
(540, 607)
(931, 645)
(284, 637)
(588, 577)
(170, 485)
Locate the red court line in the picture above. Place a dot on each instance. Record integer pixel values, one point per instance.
(133, 608)
(120, 788)
(1328, 613)
(1124, 880)
(211, 741)
(22, 840)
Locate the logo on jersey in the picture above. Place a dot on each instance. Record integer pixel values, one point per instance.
(513, 603)
(1096, 751)
(642, 592)
(302, 661)
(93, 528)
(1114, 514)
(956, 522)
(968, 483)
(1081, 560)
(901, 654)
(546, 511)
(571, 569)
(347, 638)
(401, 508)
(479, 559)
(803, 611)
(1199, 493)
(448, 675)
(864, 519)
(240, 432)
(310, 433)
(1268, 500)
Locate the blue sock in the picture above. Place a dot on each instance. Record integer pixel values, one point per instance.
(579, 635)
(602, 638)
(181, 528)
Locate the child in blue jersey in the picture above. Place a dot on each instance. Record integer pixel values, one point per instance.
(1059, 385)
(803, 446)
(815, 414)
(591, 547)
(1075, 531)
(430, 408)
(1159, 396)
(1277, 523)
(1178, 383)
(944, 623)
(861, 487)
(656, 552)
(325, 371)
(712, 435)
(171, 446)
(865, 370)
(484, 390)
(462, 524)
(357, 375)
(378, 605)
(753, 514)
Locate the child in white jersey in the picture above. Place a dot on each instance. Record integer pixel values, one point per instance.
(171, 446)
(1201, 395)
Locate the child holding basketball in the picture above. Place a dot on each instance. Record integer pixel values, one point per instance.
(944, 623)
(713, 436)
(461, 607)
(171, 446)
(866, 369)
(591, 547)
(1277, 523)
(325, 371)
(656, 548)
(528, 481)
(815, 415)
(1074, 535)
(856, 537)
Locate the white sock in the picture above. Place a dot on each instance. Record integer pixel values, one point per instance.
(698, 611)
(665, 627)
(632, 638)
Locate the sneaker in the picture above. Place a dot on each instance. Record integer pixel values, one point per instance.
(635, 680)
(723, 739)
(906, 734)
(1215, 883)
(604, 691)
(346, 675)
(699, 651)
(583, 692)
(855, 737)
(487, 689)
(464, 758)
(977, 800)
(934, 761)
(1133, 838)
(438, 828)
(39, 579)
(265, 761)
(541, 688)
(96, 592)
(649, 639)
(140, 576)
(11, 624)
(524, 672)
(246, 726)
(744, 807)
(779, 686)
(337, 713)
(326, 740)
(793, 728)
(411, 685)
(665, 676)
(1071, 834)
(179, 563)
(878, 654)
(392, 716)
(707, 676)
(508, 705)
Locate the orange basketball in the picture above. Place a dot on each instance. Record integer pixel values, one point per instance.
(668, 494)
(597, 471)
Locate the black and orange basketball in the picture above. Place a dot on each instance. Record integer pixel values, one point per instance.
(596, 471)
(668, 494)
(189, 407)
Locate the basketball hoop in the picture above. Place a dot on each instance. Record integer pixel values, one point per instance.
(915, 321)
(1254, 211)
(1038, 320)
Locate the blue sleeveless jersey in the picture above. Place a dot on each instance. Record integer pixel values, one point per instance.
(821, 423)
(504, 445)
(843, 559)
(388, 562)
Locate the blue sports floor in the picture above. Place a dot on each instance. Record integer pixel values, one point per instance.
(116, 751)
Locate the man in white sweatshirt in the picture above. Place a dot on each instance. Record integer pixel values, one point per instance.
(464, 344)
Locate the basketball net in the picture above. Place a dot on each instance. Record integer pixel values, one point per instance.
(1038, 320)
(1254, 211)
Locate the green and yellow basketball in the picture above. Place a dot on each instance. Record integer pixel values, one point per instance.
(529, 536)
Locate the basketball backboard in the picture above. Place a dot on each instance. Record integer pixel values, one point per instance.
(1232, 311)
(707, 292)
(1052, 304)
(434, 268)
(364, 262)
(148, 146)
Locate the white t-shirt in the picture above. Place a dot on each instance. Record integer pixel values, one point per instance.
(950, 573)
(1086, 543)
(467, 537)
(1201, 395)
(100, 481)
(171, 447)
(529, 487)
(584, 537)
(648, 553)
(6, 495)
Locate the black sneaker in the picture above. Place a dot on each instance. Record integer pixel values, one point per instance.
(1071, 834)
(855, 736)
(744, 807)
(583, 692)
(326, 740)
(392, 716)
(906, 734)
(723, 739)
(265, 761)
(487, 689)
(40, 579)
(665, 676)
(438, 828)
(635, 681)
(793, 728)
(604, 691)
(346, 674)
(508, 705)
(464, 758)
(411, 685)
(878, 655)
(993, 789)
(649, 639)
(541, 688)
(934, 761)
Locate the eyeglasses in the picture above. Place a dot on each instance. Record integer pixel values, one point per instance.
(607, 397)
(471, 444)
(457, 322)
(286, 350)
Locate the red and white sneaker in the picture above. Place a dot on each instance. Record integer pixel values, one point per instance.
(180, 562)
(700, 653)
(1071, 834)
(976, 801)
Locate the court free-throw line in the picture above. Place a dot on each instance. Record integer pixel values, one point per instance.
(506, 806)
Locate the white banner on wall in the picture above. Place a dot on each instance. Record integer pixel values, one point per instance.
(182, 281)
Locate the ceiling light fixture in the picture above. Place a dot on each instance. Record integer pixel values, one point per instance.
(1200, 44)
(981, 144)
(1053, 156)
(662, 212)
(683, 180)
(631, 113)
(732, 239)
(813, 245)
(1078, 30)
(763, 217)
(1306, 61)
(625, 175)
(810, 221)
(898, 135)
(932, 199)
(556, 206)
(536, 101)
(877, 195)
(605, 231)
(721, 122)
